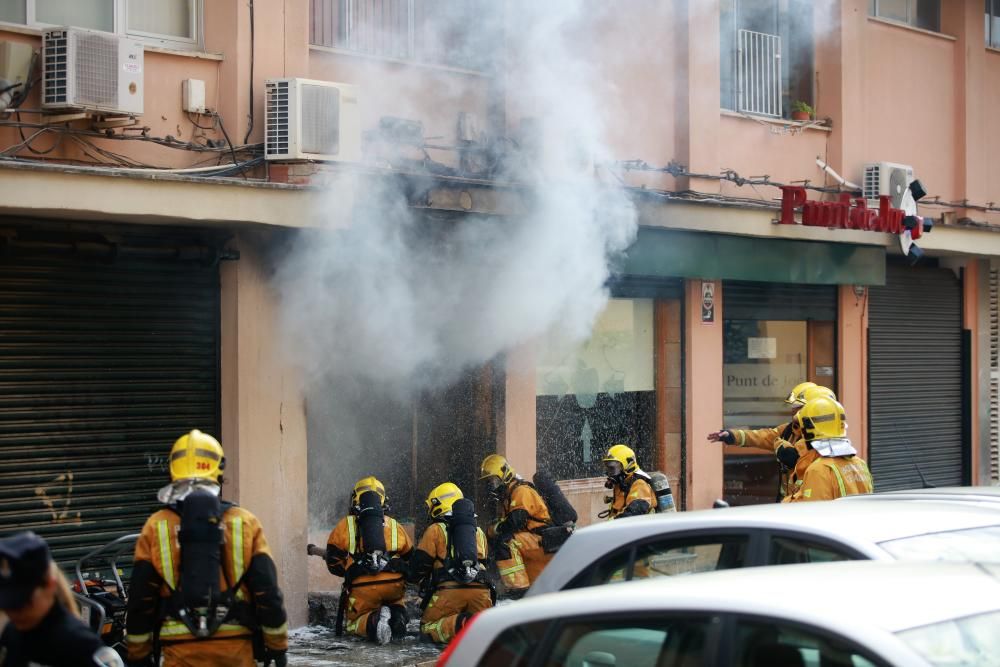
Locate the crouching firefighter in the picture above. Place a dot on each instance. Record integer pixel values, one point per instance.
(449, 564)
(632, 491)
(522, 517)
(204, 588)
(369, 550)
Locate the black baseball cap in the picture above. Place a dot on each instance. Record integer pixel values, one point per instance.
(24, 565)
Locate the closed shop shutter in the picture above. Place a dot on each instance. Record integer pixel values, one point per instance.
(779, 301)
(994, 375)
(916, 390)
(103, 364)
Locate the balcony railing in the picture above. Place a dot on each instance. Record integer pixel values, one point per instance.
(758, 67)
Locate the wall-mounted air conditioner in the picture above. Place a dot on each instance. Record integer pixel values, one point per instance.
(87, 70)
(312, 120)
(887, 178)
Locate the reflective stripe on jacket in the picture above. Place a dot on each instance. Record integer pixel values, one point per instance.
(829, 477)
(344, 544)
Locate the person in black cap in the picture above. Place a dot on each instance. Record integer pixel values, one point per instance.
(40, 629)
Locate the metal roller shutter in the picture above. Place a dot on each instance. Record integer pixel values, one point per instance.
(916, 390)
(779, 301)
(102, 366)
(994, 375)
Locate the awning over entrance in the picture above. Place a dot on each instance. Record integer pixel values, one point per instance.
(684, 254)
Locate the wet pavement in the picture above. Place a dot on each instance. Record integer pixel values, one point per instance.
(316, 645)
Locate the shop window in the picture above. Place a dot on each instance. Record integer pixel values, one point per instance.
(767, 55)
(599, 393)
(925, 14)
(993, 23)
(173, 23)
(417, 30)
(775, 336)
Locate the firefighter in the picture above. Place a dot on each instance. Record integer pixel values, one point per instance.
(42, 626)
(832, 467)
(521, 516)
(783, 440)
(632, 492)
(449, 563)
(370, 550)
(204, 588)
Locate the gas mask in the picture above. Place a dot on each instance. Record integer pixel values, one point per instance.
(495, 488)
(615, 474)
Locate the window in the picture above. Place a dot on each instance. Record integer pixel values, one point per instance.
(591, 396)
(174, 23)
(457, 33)
(667, 558)
(771, 642)
(993, 23)
(634, 642)
(774, 336)
(925, 14)
(515, 646)
(791, 550)
(767, 55)
(972, 640)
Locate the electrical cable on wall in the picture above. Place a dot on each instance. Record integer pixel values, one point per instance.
(250, 115)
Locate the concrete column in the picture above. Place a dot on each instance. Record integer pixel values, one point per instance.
(964, 20)
(852, 371)
(697, 103)
(669, 378)
(703, 397)
(840, 58)
(263, 421)
(516, 438)
(970, 321)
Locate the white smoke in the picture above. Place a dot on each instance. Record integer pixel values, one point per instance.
(406, 302)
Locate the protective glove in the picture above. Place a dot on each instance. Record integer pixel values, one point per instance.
(397, 565)
(722, 436)
(279, 658)
(789, 431)
(787, 456)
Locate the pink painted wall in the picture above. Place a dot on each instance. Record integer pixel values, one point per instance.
(909, 105)
(703, 396)
(852, 364)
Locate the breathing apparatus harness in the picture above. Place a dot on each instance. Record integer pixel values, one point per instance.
(460, 566)
(624, 482)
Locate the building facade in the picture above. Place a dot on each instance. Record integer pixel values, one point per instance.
(138, 253)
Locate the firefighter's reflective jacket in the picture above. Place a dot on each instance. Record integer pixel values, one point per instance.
(829, 477)
(634, 498)
(246, 565)
(343, 551)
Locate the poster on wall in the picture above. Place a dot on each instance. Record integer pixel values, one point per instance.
(762, 348)
(707, 302)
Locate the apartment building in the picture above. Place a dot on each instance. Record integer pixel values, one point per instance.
(141, 233)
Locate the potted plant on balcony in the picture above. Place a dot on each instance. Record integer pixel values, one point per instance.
(802, 111)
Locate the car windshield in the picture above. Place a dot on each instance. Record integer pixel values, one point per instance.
(981, 544)
(960, 642)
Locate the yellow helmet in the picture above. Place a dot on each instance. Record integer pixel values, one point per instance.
(495, 465)
(817, 391)
(822, 418)
(796, 395)
(441, 498)
(624, 455)
(367, 484)
(197, 455)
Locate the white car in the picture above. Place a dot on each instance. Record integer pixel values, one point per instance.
(849, 614)
(778, 534)
(984, 495)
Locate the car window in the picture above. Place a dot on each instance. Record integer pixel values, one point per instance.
(971, 641)
(980, 545)
(788, 550)
(768, 643)
(660, 642)
(670, 557)
(515, 646)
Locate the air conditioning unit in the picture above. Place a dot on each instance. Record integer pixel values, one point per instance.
(312, 120)
(87, 70)
(887, 178)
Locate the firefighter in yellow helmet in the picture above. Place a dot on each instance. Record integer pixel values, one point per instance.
(783, 440)
(521, 515)
(832, 468)
(632, 493)
(369, 549)
(449, 564)
(203, 583)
